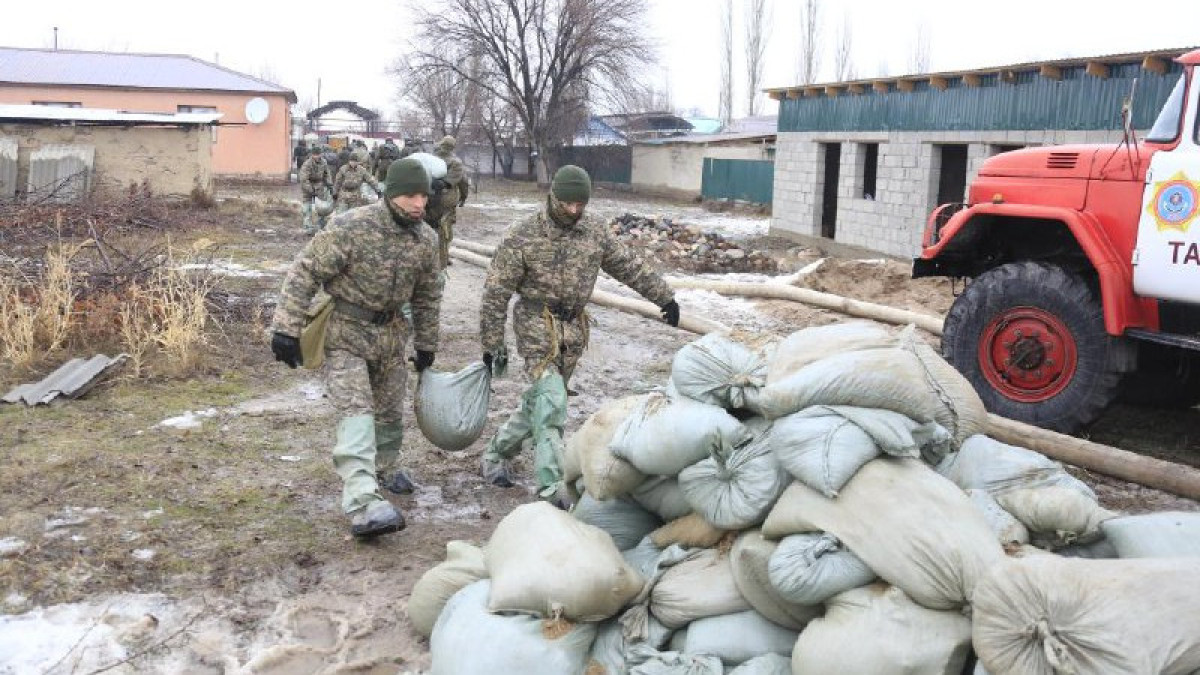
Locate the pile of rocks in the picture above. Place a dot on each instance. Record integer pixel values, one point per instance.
(686, 247)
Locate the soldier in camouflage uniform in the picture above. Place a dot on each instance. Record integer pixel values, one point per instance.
(315, 183)
(348, 185)
(371, 260)
(385, 154)
(450, 195)
(551, 262)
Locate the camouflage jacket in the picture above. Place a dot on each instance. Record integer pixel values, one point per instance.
(455, 177)
(314, 176)
(365, 257)
(349, 179)
(556, 267)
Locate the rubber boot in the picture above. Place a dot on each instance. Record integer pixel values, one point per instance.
(376, 518)
(354, 461)
(506, 444)
(389, 438)
(547, 417)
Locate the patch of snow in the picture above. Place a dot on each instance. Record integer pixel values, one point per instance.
(289, 458)
(152, 513)
(313, 391)
(188, 420)
(144, 554)
(225, 269)
(12, 546)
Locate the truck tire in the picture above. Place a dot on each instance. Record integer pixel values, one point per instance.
(1030, 338)
(1165, 377)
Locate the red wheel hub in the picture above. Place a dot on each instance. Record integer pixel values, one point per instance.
(1028, 354)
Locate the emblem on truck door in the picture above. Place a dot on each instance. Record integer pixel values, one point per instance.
(1175, 203)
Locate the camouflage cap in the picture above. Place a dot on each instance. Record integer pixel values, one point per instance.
(447, 143)
(571, 184)
(406, 177)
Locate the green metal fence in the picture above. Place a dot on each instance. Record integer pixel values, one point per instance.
(747, 180)
(604, 163)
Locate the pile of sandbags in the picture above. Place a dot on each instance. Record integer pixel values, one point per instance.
(826, 506)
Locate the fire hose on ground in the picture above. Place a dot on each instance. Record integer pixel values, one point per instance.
(1177, 479)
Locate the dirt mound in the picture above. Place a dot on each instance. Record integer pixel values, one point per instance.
(887, 282)
(687, 248)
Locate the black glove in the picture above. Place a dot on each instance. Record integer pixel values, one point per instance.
(462, 201)
(422, 360)
(487, 360)
(287, 349)
(670, 313)
(437, 185)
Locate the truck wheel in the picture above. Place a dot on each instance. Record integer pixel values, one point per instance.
(1030, 338)
(1166, 377)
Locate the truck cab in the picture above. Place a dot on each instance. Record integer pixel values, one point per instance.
(1083, 272)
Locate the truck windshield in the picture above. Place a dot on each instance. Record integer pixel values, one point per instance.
(1166, 127)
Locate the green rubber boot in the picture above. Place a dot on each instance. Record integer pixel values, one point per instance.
(354, 461)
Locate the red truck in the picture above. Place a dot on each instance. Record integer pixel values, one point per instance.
(1083, 264)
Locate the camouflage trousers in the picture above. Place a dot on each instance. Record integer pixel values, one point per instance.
(551, 349)
(366, 383)
(446, 234)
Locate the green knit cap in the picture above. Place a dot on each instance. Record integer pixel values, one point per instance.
(571, 184)
(406, 177)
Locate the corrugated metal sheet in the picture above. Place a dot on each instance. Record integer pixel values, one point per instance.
(8, 168)
(72, 380)
(747, 180)
(47, 113)
(107, 69)
(60, 173)
(1029, 102)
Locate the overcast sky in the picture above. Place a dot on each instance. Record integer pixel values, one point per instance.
(347, 46)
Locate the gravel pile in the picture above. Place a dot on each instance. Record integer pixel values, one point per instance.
(686, 247)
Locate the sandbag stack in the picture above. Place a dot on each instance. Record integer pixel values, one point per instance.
(829, 506)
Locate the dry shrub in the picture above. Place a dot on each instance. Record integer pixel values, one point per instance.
(36, 320)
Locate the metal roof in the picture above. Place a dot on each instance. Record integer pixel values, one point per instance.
(45, 67)
(699, 139)
(72, 379)
(46, 113)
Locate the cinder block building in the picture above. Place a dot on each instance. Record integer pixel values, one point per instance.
(865, 162)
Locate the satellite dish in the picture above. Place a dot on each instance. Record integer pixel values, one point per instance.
(257, 110)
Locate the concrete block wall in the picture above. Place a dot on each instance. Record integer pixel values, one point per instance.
(909, 167)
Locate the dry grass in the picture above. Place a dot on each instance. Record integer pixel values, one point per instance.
(160, 319)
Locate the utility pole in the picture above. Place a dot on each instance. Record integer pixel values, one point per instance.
(56, 38)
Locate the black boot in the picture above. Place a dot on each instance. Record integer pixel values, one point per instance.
(398, 483)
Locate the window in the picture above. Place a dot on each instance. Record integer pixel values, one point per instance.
(1166, 127)
(59, 104)
(870, 168)
(196, 109)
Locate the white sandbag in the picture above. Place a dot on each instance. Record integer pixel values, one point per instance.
(643, 557)
(750, 559)
(917, 530)
(1008, 529)
(910, 379)
(735, 490)
(637, 623)
(614, 654)
(823, 446)
(662, 496)
(717, 370)
(470, 640)
(695, 588)
(767, 664)
(662, 436)
(622, 518)
(451, 408)
(464, 565)
(1048, 614)
(675, 663)
(737, 638)
(983, 463)
(605, 475)
(809, 345)
(1055, 515)
(542, 561)
(434, 165)
(1171, 534)
(877, 629)
(808, 569)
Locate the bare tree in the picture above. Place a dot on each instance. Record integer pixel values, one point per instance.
(843, 55)
(810, 39)
(757, 33)
(543, 58)
(919, 62)
(443, 96)
(725, 102)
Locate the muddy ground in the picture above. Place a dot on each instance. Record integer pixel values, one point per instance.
(220, 548)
